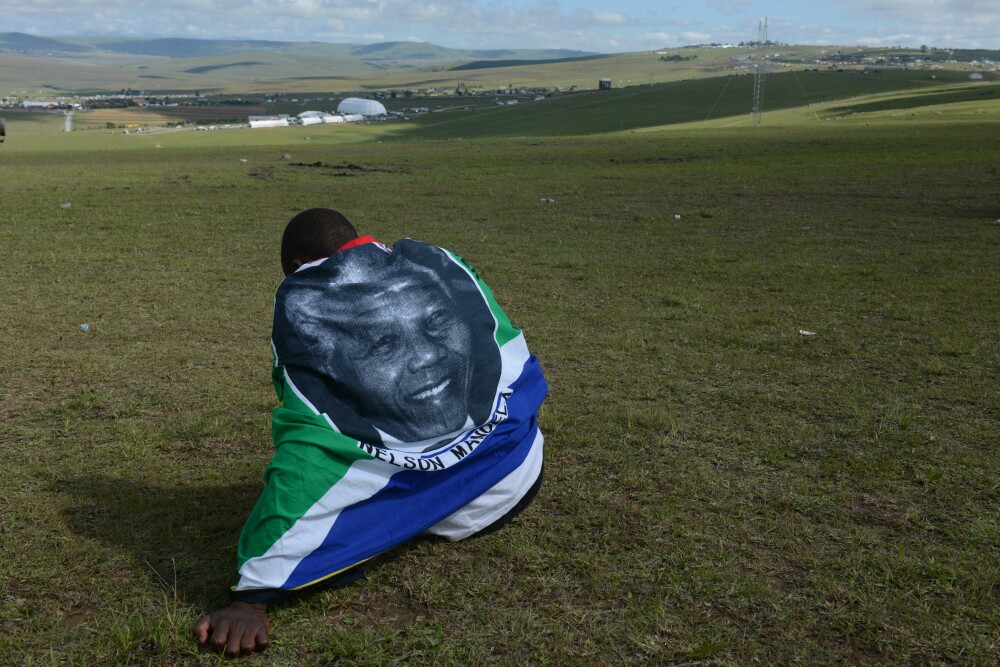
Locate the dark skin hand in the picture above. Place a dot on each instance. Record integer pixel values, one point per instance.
(241, 627)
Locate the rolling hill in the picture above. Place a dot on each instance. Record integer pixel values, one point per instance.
(701, 100)
(33, 67)
(37, 66)
(173, 47)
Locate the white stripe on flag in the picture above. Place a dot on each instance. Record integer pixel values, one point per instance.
(497, 501)
(363, 479)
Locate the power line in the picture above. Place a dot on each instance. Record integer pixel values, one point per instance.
(761, 70)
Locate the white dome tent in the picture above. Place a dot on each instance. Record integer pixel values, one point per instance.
(357, 106)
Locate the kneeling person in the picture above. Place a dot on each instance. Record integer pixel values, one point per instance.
(407, 405)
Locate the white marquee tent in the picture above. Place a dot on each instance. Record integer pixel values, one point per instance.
(356, 105)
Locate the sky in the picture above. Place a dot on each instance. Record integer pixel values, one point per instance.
(588, 25)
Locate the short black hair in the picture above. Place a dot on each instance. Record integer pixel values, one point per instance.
(314, 234)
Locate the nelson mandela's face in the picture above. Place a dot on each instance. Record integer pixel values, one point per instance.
(409, 355)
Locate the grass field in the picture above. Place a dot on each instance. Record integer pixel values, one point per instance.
(832, 94)
(688, 101)
(721, 488)
(99, 118)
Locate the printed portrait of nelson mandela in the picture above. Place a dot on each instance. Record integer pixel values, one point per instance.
(398, 348)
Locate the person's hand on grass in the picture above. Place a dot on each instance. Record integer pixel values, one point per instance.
(241, 627)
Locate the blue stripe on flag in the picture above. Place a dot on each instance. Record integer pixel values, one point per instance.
(414, 501)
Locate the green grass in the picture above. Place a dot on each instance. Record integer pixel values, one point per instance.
(719, 487)
(979, 93)
(665, 104)
(830, 94)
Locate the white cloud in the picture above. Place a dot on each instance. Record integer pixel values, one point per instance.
(886, 40)
(637, 25)
(657, 40)
(611, 18)
(664, 37)
(696, 37)
(926, 11)
(956, 23)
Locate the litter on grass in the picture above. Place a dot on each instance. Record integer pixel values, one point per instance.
(548, 200)
(85, 327)
(66, 204)
(803, 332)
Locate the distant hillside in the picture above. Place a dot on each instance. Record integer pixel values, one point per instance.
(488, 64)
(187, 48)
(173, 47)
(426, 51)
(34, 67)
(18, 41)
(693, 100)
(397, 51)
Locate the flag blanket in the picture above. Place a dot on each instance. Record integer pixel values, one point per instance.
(405, 394)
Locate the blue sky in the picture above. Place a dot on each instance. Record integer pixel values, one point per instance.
(574, 24)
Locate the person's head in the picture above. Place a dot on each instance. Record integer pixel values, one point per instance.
(313, 234)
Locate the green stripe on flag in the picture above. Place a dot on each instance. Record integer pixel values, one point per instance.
(506, 331)
(309, 459)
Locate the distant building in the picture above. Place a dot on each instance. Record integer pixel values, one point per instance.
(313, 117)
(357, 106)
(269, 121)
(604, 84)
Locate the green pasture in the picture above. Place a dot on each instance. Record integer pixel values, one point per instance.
(665, 104)
(771, 436)
(815, 96)
(976, 94)
(31, 128)
(43, 133)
